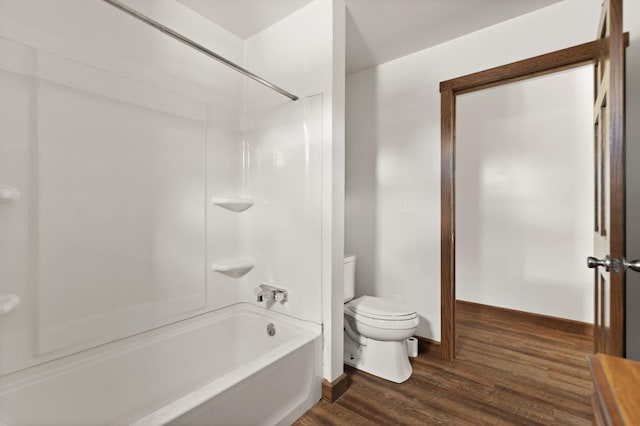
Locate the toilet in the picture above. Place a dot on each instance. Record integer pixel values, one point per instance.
(375, 331)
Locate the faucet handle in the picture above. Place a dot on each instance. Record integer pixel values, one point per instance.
(259, 292)
(269, 292)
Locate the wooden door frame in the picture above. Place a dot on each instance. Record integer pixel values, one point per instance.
(611, 339)
(560, 60)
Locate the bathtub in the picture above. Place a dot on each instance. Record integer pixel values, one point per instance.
(220, 368)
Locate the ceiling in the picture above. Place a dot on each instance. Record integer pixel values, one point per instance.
(245, 18)
(381, 30)
(377, 30)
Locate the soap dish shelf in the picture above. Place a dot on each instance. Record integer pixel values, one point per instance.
(8, 193)
(233, 204)
(8, 303)
(235, 268)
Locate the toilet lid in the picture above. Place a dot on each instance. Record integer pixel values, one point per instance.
(378, 307)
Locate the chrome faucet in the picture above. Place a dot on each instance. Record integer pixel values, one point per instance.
(266, 292)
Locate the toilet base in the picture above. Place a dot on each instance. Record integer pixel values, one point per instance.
(388, 360)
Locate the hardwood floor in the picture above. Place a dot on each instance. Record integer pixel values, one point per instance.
(505, 373)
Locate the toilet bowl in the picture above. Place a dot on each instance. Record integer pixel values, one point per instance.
(375, 332)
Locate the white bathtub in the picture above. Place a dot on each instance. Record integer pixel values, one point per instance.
(220, 368)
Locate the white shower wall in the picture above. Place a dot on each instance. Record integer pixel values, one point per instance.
(307, 50)
(275, 162)
(282, 231)
(111, 213)
(224, 179)
(117, 145)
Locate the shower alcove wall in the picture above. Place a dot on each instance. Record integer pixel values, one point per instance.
(154, 185)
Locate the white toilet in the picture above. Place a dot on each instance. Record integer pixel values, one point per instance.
(375, 331)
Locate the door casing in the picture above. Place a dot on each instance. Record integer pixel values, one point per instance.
(560, 60)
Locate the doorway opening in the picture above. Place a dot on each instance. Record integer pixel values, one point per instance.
(530, 68)
(524, 201)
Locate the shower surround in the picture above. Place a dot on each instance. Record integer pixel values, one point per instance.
(155, 195)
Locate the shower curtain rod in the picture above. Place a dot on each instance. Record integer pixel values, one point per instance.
(198, 47)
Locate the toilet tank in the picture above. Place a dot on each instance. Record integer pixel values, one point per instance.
(349, 276)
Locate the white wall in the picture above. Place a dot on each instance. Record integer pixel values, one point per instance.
(100, 35)
(304, 53)
(524, 195)
(295, 53)
(224, 159)
(276, 151)
(334, 203)
(282, 231)
(393, 148)
(105, 127)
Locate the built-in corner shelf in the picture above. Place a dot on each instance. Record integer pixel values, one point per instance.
(234, 204)
(234, 268)
(8, 193)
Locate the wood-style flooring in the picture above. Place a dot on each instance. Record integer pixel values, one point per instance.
(505, 373)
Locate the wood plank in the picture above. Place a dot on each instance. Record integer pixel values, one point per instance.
(548, 63)
(333, 414)
(527, 68)
(516, 382)
(617, 385)
(448, 220)
(429, 347)
(616, 106)
(563, 324)
(623, 376)
(331, 391)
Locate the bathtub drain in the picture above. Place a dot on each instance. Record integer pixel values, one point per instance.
(271, 329)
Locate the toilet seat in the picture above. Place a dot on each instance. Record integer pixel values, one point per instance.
(381, 313)
(380, 309)
(385, 324)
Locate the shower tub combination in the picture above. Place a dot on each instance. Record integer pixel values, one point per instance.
(222, 367)
(97, 332)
